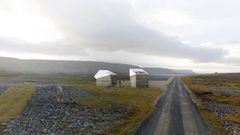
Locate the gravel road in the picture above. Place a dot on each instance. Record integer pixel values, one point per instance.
(175, 114)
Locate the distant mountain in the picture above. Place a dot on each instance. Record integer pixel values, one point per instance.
(76, 67)
(167, 72)
(59, 66)
(184, 72)
(159, 71)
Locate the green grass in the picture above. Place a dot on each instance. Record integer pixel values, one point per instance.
(199, 85)
(13, 101)
(141, 100)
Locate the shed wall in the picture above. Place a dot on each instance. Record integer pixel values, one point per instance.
(106, 81)
(139, 81)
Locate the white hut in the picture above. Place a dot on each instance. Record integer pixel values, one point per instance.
(105, 78)
(138, 78)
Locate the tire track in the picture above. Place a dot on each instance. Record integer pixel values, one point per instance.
(175, 114)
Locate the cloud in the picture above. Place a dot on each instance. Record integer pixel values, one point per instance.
(13, 45)
(233, 57)
(109, 25)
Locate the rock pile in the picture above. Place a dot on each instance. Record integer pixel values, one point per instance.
(221, 111)
(45, 115)
(3, 88)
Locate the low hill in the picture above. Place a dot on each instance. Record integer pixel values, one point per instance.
(59, 66)
(76, 67)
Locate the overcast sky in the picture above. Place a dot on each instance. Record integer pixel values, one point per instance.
(181, 34)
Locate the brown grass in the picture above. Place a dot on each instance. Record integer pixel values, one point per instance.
(199, 85)
(233, 118)
(13, 100)
(141, 100)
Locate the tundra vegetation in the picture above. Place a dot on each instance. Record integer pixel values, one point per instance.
(136, 103)
(140, 100)
(13, 100)
(217, 97)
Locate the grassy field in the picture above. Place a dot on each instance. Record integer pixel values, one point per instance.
(13, 101)
(6, 75)
(141, 100)
(200, 86)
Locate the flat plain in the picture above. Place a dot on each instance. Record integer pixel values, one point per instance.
(218, 99)
(33, 104)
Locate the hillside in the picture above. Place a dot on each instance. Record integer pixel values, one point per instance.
(57, 66)
(72, 67)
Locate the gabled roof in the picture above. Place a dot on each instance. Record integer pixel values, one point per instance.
(103, 73)
(137, 71)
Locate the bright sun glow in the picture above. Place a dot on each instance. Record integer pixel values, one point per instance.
(28, 26)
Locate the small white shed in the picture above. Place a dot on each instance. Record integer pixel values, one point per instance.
(105, 78)
(139, 78)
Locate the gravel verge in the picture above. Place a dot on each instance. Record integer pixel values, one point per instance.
(222, 110)
(3, 88)
(44, 114)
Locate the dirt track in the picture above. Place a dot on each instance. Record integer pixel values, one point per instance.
(175, 114)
